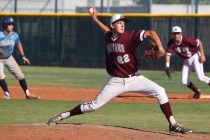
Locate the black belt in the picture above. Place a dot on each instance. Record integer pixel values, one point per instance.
(131, 75)
(5, 58)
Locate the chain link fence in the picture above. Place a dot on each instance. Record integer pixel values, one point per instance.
(75, 40)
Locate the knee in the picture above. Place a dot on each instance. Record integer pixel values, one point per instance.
(19, 77)
(201, 78)
(90, 106)
(2, 76)
(161, 95)
(159, 89)
(185, 82)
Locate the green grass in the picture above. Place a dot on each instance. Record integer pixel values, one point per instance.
(175, 84)
(133, 115)
(96, 78)
(59, 76)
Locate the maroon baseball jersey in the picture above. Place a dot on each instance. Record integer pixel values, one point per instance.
(121, 53)
(186, 48)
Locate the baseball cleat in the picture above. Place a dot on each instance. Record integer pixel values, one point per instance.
(200, 96)
(31, 96)
(7, 97)
(196, 95)
(177, 128)
(55, 120)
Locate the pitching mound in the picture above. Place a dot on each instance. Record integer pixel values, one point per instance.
(87, 132)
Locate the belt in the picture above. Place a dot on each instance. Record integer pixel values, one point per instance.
(131, 75)
(5, 57)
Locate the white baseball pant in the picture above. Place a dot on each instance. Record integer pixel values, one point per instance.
(116, 86)
(193, 64)
(12, 66)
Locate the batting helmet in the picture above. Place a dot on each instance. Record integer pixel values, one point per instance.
(7, 21)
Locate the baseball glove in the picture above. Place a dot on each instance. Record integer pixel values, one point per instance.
(152, 52)
(168, 72)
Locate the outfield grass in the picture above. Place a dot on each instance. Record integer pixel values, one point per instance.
(133, 115)
(146, 116)
(96, 78)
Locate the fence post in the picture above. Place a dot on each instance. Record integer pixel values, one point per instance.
(56, 6)
(149, 6)
(196, 19)
(15, 6)
(102, 2)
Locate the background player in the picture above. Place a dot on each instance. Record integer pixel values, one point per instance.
(191, 50)
(122, 66)
(8, 41)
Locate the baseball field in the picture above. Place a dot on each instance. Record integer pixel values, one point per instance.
(128, 116)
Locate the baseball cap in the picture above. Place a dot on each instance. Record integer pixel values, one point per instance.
(176, 29)
(117, 17)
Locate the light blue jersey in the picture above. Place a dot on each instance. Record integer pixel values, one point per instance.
(7, 44)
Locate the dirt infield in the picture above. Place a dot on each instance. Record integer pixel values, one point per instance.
(88, 94)
(87, 131)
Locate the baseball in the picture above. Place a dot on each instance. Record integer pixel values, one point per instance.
(91, 10)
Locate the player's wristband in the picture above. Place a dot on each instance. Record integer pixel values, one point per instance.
(23, 56)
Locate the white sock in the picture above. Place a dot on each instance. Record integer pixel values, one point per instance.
(27, 92)
(65, 115)
(172, 120)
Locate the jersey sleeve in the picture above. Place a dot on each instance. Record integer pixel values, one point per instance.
(194, 42)
(137, 36)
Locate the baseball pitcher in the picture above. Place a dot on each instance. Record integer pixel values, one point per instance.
(122, 66)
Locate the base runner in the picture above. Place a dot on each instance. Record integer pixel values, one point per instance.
(9, 40)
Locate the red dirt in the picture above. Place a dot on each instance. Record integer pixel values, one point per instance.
(87, 131)
(88, 94)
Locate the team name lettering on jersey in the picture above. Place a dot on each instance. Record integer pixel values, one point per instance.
(121, 53)
(184, 50)
(187, 51)
(7, 43)
(178, 50)
(115, 47)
